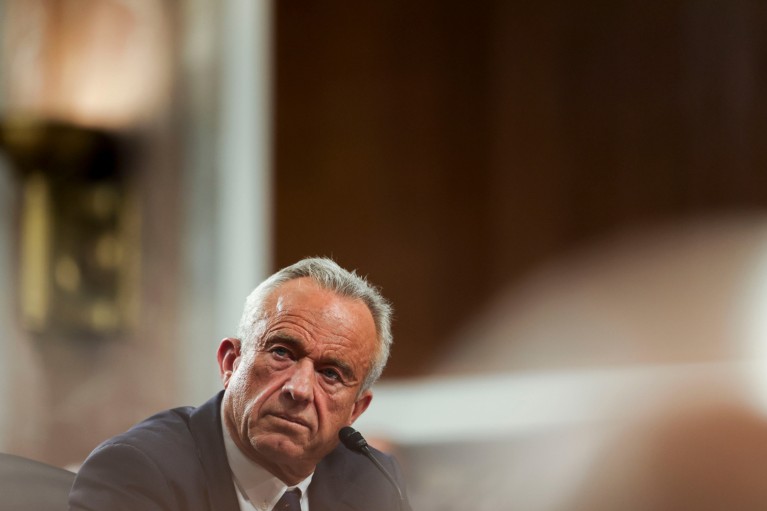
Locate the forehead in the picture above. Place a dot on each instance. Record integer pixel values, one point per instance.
(321, 315)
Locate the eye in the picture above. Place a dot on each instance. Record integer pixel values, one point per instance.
(331, 374)
(280, 352)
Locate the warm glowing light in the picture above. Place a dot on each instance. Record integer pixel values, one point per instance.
(91, 62)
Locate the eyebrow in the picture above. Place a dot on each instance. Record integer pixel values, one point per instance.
(298, 346)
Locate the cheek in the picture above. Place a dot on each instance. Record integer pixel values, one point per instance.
(244, 390)
(256, 387)
(239, 385)
(238, 397)
(335, 409)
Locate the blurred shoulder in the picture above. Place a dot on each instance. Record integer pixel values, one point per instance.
(159, 432)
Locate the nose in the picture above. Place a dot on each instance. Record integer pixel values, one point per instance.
(300, 385)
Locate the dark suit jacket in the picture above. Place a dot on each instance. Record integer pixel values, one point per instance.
(175, 461)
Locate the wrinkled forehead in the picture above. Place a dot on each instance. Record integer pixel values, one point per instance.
(301, 293)
(304, 297)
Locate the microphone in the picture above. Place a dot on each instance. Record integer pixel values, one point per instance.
(353, 440)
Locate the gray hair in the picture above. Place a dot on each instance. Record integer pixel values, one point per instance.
(328, 275)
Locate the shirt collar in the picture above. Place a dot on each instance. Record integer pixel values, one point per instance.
(257, 484)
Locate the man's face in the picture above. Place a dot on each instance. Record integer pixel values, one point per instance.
(287, 397)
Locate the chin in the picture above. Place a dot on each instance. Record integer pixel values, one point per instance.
(279, 446)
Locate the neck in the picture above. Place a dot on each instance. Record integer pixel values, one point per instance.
(286, 475)
(289, 473)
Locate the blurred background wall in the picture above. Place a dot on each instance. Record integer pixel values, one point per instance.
(564, 200)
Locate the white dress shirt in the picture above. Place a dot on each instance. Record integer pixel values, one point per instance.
(257, 489)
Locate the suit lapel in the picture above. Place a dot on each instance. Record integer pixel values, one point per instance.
(328, 493)
(333, 487)
(205, 426)
(346, 481)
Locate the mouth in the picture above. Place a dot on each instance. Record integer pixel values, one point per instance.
(292, 419)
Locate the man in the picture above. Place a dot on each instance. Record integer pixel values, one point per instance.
(312, 340)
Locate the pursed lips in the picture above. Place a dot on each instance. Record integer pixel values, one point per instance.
(294, 420)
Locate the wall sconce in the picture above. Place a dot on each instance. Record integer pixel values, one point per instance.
(78, 251)
(75, 73)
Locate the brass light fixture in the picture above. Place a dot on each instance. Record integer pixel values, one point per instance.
(76, 77)
(78, 251)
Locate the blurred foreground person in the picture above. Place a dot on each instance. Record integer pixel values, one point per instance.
(312, 340)
(709, 458)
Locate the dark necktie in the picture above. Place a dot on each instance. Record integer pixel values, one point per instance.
(290, 501)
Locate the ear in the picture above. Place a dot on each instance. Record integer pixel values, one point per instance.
(228, 356)
(361, 405)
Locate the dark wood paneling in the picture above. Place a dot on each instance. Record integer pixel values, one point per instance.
(445, 148)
